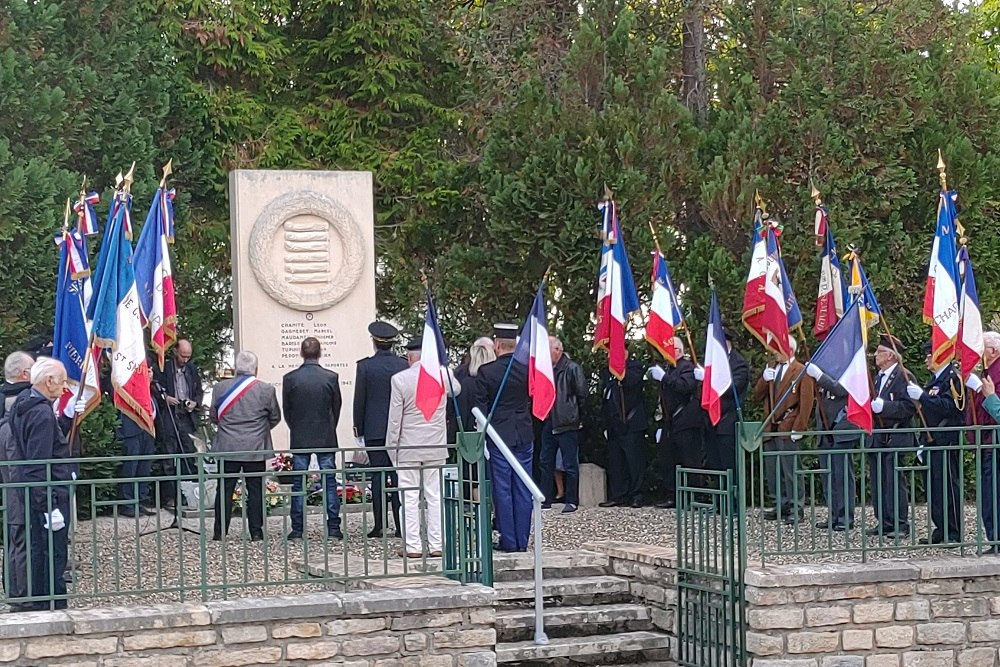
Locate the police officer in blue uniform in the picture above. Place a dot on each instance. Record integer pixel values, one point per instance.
(372, 390)
(512, 421)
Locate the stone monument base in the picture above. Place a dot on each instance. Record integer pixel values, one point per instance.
(593, 485)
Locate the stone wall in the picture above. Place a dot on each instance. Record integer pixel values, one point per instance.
(919, 613)
(652, 574)
(445, 626)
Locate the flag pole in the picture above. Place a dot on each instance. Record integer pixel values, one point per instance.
(687, 330)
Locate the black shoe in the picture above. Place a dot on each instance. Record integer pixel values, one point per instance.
(771, 514)
(126, 511)
(636, 503)
(667, 504)
(335, 534)
(792, 518)
(257, 537)
(145, 511)
(935, 538)
(992, 551)
(559, 501)
(216, 537)
(375, 534)
(568, 509)
(609, 503)
(169, 505)
(546, 506)
(294, 535)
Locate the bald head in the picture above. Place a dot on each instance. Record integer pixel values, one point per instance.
(555, 349)
(183, 352)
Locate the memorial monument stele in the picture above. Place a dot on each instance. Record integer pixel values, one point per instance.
(303, 255)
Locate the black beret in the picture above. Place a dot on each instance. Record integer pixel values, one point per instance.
(891, 342)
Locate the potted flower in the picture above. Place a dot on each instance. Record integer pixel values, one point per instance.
(281, 466)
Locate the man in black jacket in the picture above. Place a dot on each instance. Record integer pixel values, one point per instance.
(680, 432)
(39, 513)
(623, 415)
(838, 483)
(372, 391)
(939, 401)
(561, 429)
(310, 398)
(17, 378)
(178, 392)
(512, 422)
(892, 409)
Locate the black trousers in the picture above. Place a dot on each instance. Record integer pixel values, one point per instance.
(253, 507)
(679, 449)
(720, 450)
(379, 458)
(626, 466)
(944, 493)
(890, 492)
(839, 484)
(43, 576)
(168, 468)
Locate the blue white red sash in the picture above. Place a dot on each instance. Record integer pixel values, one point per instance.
(235, 393)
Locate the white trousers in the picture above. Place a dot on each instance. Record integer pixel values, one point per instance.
(421, 491)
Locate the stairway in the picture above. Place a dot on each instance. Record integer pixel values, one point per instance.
(590, 617)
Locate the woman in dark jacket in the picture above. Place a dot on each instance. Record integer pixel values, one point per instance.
(35, 512)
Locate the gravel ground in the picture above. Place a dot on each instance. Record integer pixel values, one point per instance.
(125, 566)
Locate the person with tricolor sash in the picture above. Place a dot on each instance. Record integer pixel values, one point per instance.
(245, 410)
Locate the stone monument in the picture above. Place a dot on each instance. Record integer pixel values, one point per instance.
(303, 256)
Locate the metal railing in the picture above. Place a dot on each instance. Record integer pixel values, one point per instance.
(843, 495)
(537, 498)
(116, 551)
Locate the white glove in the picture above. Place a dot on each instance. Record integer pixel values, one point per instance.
(54, 521)
(360, 442)
(814, 371)
(914, 391)
(769, 374)
(795, 437)
(974, 383)
(699, 373)
(659, 432)
(80, 406)
(877, 405)
(656, 373)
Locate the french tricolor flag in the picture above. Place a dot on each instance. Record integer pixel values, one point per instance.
(84, 208)
(664, 315)
(941, 297)
(154, 275)
(970, 330)
(616, 295)
(831, 295)
(774, 320)
(718, 375)
(433, 365)
(753, 295)
(842, 357)
(533, 351)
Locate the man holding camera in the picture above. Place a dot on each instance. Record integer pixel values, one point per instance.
(178, 393)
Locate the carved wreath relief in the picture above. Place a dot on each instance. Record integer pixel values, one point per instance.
(306, 251)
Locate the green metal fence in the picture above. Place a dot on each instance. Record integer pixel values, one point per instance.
(119, 552)
(846, 496)
(710, 619)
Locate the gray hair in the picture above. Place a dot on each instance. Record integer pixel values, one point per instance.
(991, 339)
(15, 364)
(480, 353)
(45, 368)
(245, 363)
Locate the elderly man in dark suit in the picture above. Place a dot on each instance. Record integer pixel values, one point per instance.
(372, 390)
(179, 394)
(892, 409)
(312, 401)
(939, 400)
(513, 423)
(245, 410)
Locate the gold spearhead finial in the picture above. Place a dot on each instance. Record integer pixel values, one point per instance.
(759, 202)
(608, 194)
(69, 207)
(83, 188)
(942, 176)
(168, 169)
(129, 178)
(815, 194)
(118, 181)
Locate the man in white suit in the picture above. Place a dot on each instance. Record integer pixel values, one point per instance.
(418, 448)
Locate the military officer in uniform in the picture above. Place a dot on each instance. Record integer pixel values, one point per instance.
(838, 482)
(512, 421)
(939, 400)
(892, 409)
(681, 432)
(625, 422)
(372, 391)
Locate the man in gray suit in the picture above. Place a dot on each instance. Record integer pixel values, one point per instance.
(418, 448)
(245, 410)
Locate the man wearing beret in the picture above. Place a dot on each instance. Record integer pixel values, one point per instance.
(937, 400)
(372, 390)
(892, 409)
(512, 422)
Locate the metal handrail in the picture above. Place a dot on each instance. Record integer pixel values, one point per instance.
(537, 498)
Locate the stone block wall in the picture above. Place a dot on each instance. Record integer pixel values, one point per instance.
(447, 626)
(918, 613)
(652, 574)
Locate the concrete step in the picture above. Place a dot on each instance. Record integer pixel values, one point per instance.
(555, 564)
(625, 645)
(603, 589)
(519, 624)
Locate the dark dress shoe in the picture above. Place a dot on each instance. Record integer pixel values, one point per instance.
(637, 503)
(294, 535)
(609, 503)
(375, 533)
(126, 511)
(216, 537)
(668, 504)
(335, 534)
(257, 537)
(771, 514)
(792, 518)
(568, 509)
(145, 511)
(559, 501)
